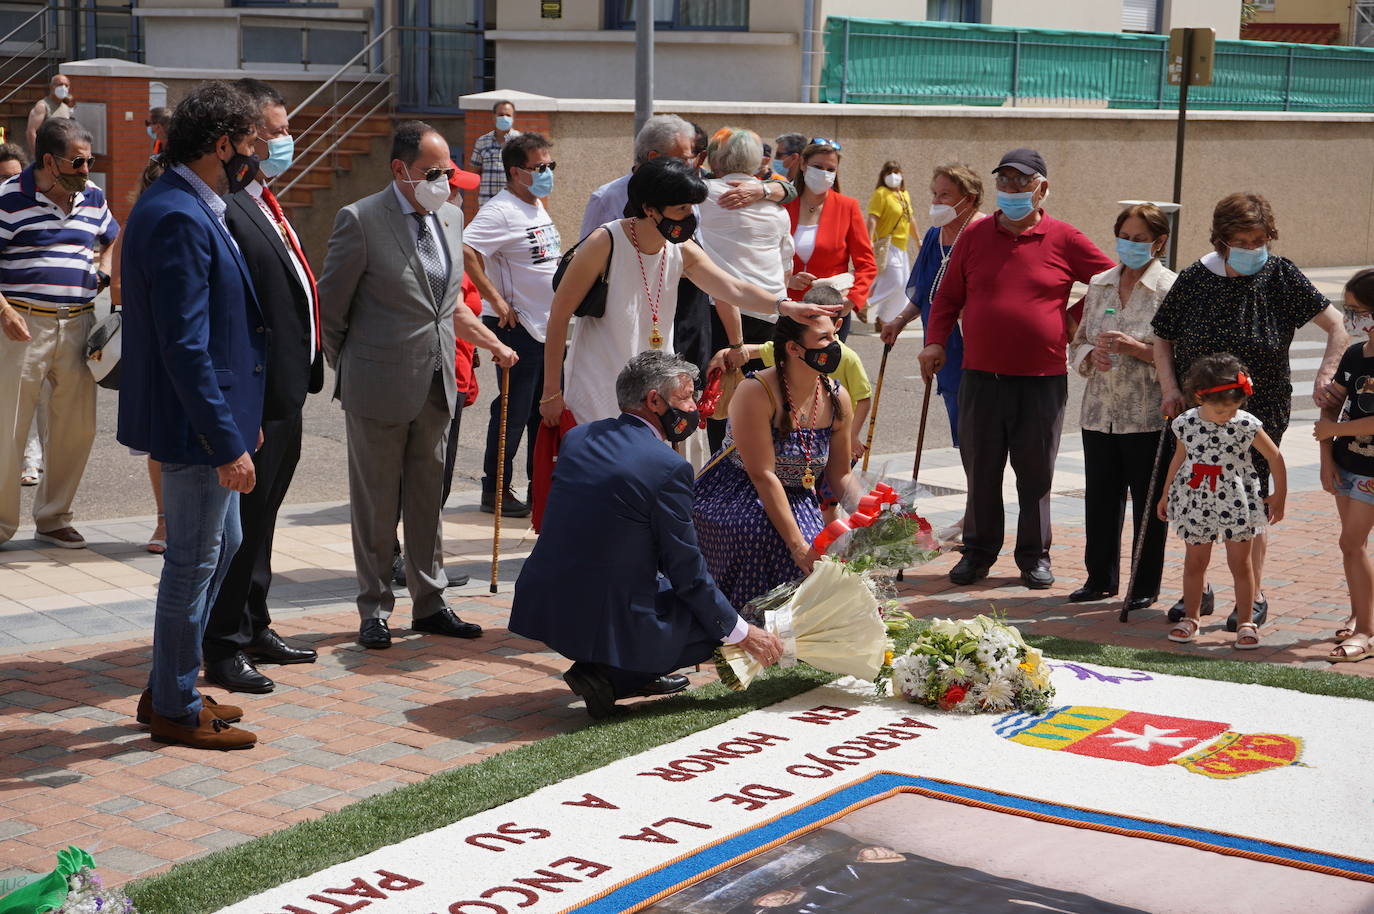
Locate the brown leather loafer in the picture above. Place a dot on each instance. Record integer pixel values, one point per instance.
(230, 714)
(63, 538)
(209, 733)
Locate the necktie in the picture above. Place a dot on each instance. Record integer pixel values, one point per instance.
(290, 238)
(428, 250)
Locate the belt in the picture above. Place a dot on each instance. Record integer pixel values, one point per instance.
(61, 313)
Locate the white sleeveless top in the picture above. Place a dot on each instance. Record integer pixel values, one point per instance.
(602, 345)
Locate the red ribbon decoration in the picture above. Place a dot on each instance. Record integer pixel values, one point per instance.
(1207, 472)
(711, 395)
(1242, 381)
(870, 507)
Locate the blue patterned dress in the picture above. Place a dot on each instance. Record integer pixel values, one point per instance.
(743, 551)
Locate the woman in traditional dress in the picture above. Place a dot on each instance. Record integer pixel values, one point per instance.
(756, 509)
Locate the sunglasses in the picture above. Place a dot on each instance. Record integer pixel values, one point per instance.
(434, 174)
(824, 141)
(79, 161)
(541, 167)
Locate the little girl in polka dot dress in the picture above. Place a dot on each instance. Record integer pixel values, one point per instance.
(1217, 497)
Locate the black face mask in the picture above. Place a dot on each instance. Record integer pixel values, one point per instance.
(678, 230)
(240, 171)
(826, 360)
(678, 424)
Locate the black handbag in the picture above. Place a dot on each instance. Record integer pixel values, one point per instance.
(593, 304)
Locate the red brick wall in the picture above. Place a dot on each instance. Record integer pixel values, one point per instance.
(478, 123)
(127, 146)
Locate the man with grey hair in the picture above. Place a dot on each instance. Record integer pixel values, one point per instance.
(669, 135)
(617, 582)
(787, 154)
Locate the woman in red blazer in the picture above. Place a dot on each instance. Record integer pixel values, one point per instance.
(828, 230)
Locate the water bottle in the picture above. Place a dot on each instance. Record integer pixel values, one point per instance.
(1111, 321)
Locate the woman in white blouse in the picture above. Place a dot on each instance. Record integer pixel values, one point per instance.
(1121, 423)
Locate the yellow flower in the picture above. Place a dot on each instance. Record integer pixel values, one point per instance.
(887, 658)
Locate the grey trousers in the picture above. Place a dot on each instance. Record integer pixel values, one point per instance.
(1016, 417)
(380, 455)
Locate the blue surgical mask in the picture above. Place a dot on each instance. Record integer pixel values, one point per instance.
(542, 184)
(1134, 254)
(504, 122)
(1015, 206)
(1248, 262)
(779, 169)
(280, 153)
(152, 134)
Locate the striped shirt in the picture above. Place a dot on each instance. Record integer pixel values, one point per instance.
(48, 257)
(486, 161)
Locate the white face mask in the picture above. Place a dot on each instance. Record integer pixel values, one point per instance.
(942, 214)
(893, 179)
(1358, 322)
(818, 180)
(430, 195)
(60, 92)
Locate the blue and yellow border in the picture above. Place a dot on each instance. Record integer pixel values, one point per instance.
(656, 885)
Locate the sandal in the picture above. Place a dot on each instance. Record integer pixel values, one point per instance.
(1188, 627)
(28, 479)
(158, 544)
(1347, 630)
(1247, 630)
(1352, 649)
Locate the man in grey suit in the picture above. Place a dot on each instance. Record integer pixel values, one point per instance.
(388, 318)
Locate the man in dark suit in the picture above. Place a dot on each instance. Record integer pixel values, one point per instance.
(616, 581)
(191, 389)
(239, 629)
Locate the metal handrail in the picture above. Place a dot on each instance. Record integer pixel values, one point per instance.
(342, 71)
(42, 12)
(339, 118)
(23, 65)
(343, 136)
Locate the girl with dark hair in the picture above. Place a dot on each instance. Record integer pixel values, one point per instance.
(756, 510)
(1347, 448)
(641, 256)
(1219, 499)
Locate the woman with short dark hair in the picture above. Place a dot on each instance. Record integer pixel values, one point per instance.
(1121, 427)
(641, 256)
(1241, 299)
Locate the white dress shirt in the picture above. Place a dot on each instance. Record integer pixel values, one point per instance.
(435, 230)
(255, 191)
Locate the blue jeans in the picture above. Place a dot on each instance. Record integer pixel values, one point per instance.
(526, 380)
(203, 534)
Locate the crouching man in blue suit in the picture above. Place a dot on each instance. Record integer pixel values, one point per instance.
(616, 582)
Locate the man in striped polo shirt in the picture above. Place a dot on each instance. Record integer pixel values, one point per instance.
(55, 246)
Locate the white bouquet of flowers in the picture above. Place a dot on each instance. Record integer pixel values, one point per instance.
(830, 621)
(972, 665)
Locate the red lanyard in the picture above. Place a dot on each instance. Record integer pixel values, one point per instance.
(655, 337)
(808, 437)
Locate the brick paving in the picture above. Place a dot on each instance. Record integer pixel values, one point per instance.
(74, 654)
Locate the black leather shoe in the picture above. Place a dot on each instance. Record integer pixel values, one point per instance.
(1090, 594)
(268, 647)
(594, 690)
(237, 674)
(1209, 606)
(967, 571)
(1257, 616)
(1142, 602)
(374, 634)
(1038, 578)
(444, 622)
(664, 685)
(398, 575)
(510, 505)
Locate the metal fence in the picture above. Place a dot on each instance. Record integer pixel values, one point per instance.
(933, 63)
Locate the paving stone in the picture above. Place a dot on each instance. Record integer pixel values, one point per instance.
(374, 789)
(212, 787)
(130, 861)
(410, 666)
(117, 805)
(308, 795)
(380, 754)
(11, 828)
(466, 677)
(450, 749)
(492, 735)
(187, 775)
(295, 743)
(298, 712)
(506, 712)
(277, 764)
(41, 753)
(162, 820)
(25, 699)
(320, 758)
(393, 703)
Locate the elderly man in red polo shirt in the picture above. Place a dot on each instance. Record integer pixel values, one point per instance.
(1009, 280)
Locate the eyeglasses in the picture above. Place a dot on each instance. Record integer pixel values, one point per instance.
(1015, 179)
(434, 174)
(824, 141)
(79, 161)
(541, 167)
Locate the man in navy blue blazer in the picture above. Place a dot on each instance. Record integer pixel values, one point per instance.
(191, 391)
(616, 582)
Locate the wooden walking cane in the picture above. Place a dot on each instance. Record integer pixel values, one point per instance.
(877, 397)
(1145, 520)
(500, 478)
(920, 443)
